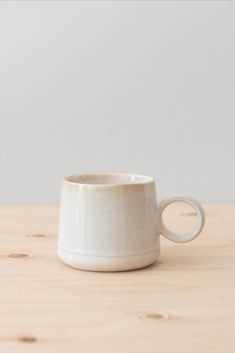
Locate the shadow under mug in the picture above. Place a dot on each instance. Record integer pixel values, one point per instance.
(112, 222)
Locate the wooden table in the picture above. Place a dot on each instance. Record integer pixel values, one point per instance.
(184, 303)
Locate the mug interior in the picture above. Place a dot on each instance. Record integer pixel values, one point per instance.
(108, 179)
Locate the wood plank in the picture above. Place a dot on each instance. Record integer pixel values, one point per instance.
(184, 303)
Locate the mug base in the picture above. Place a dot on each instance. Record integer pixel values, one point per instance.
(108, 263)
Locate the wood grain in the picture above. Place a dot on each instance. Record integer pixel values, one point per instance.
(184, 303)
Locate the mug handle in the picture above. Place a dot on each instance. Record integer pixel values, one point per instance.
(181, 238)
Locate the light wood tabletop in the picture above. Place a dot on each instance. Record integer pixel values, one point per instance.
(184, 303)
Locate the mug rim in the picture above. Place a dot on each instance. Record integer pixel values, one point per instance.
(88, 179)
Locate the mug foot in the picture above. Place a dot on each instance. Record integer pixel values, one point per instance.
(108, 263)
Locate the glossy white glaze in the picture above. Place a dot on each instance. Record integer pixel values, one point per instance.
(108, 263)
(111, 222)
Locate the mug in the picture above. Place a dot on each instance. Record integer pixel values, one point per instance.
(112, 222)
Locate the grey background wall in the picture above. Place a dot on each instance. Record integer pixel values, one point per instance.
(137, 86)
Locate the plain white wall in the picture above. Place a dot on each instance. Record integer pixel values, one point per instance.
(138, 86)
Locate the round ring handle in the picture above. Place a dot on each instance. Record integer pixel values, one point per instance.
(182, 238)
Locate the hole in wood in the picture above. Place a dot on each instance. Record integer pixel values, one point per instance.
(154, 316)
(188, 214)
(39, 235)
(17, 255)
(27, 339)
(158, 316)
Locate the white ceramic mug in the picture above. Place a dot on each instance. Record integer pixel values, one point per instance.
(112, 222)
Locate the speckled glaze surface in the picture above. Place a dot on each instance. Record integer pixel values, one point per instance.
(112, 222)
